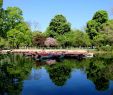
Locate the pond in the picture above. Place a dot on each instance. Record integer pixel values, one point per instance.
(20, 75)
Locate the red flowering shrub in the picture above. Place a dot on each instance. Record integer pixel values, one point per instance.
(50, 42)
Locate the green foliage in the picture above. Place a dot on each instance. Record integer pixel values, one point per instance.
(65, 40)
(27, 39)
(49, 33)
(14, 28)
(59, 74)
(99, 70)
(2, 43)
(14, 16)
(99, 40)
(91, 29)
(96, 73)
(101, 16)
(14, 69)
(3, 23)
(104, 39)
(81, 39)
(39, 39)
(23, 27)
(105, 48)
(74, 38)
(17, 68)
(58, 25)
(10, 17)
(94, 25)
(107, 30)
(18, 33)
(15, 37)
(1, 3)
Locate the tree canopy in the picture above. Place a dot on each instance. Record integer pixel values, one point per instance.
(94, 25)
(101, 16)
(1, 3)
(58, 26)
(16, 32)
(9, 19)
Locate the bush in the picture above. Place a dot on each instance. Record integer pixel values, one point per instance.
(105, 48)
(51, 42)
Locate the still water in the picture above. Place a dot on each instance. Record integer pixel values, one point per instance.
(21, 75)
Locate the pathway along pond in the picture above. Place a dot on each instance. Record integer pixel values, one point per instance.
(23, 76)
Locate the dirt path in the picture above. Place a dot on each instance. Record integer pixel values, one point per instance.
(48, 50)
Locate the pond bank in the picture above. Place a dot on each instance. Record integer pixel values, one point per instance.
(55, 52)
(45, 50)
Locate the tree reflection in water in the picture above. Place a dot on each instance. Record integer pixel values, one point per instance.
(13, 70)
(100, 71)
(96, 73)
(59, 73)
(16, 68)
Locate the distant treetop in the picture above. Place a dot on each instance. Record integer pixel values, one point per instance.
(1, 3)
(59, 25)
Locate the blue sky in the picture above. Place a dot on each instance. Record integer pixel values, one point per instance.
(77, 12)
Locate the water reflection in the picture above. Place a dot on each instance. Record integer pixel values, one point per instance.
(20, 75)
(96, 73)
(100, 71)
(59, 73)
(13, 71)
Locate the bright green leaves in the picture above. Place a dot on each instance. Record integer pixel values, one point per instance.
(15, 37)
(20, 35)
(59, 25)
(94, 25)
(1, 3)
(9, 19)
(101, 16)
(74, 38)
(14, 16)
(13, 28)
(2, 43)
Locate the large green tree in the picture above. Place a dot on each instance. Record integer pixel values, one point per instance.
(9, 18)
(20, 35)
(24, 28)
(105, 36)
(14, 28)
(58, 26)
(91, 29)
(94, 25)
(107, 30)
(14, 16)
(15, 38)
(101, 16)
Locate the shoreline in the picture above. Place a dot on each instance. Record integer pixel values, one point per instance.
(36, 52)
(45, 50)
